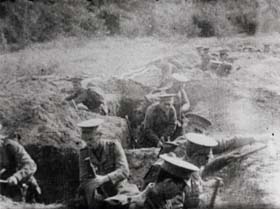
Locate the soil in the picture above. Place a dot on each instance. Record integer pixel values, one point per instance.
(35, 82)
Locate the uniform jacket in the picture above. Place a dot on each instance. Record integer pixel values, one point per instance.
(109, 159)
(16, 161)
(158, 124)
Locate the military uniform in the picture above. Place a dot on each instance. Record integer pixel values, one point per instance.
(158, 124)
(16, 162)
(91, 98)
(176, 167)
(194, 188)
(173, 174)
(109, 159)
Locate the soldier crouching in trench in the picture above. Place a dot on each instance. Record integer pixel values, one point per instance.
(170, 182)
(103, 167)
(16, 170)
(160, 122)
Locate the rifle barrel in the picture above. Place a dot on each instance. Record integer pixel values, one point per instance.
(3, 181)
(253, 151)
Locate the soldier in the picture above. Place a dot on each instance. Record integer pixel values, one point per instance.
(90, 98)
(197, 149)
(194, 123)
(16, 170)
(205, 58)
(170, 182)
(160, 122)
(103, 166)
(182, 102)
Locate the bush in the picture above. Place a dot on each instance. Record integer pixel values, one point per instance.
(25, 21)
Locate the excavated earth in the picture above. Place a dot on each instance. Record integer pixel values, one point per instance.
(243, 103)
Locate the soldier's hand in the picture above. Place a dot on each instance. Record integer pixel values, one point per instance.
(159, 144)
(12, 180)
(213, 182)
(99, 180)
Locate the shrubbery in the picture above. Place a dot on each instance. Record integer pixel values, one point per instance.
(24, 21)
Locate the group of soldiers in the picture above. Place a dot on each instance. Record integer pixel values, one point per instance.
(175, 180)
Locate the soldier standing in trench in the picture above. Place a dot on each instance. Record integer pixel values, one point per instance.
(160, 122)
(16, 170)
(103, 167)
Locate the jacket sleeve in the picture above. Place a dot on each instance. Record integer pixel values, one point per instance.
(122, 170)
(148, 127)
(169, 131)
(26, 167)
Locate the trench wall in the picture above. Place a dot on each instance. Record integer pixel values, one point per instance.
(58, 170)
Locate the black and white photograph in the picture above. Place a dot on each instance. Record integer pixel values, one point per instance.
(139, 104)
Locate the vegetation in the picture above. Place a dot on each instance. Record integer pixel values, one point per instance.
(23, 21)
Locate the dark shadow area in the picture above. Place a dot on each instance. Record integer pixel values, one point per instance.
(58, 173)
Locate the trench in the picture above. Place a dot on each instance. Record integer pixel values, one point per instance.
(232, 110)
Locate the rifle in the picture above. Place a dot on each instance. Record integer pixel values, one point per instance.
(3, 181)
(133, 142)
(223, 160)
(92, 174)
(252, 152)
(214, 195)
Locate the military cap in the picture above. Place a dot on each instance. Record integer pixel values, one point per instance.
(179, 77)
(168, 147)
(215, 62)
(166, 96)
(91, 123)
(223, 51)
(177, 167)
(198, 120)
(201, 139)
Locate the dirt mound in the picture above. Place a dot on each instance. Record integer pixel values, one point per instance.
(6, 203)
(33, 108)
